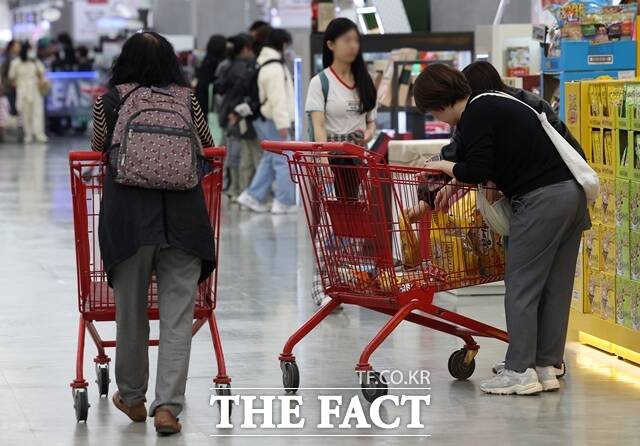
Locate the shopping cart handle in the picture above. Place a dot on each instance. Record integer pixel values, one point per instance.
(87, 155)
(280, 147)
(215, 152)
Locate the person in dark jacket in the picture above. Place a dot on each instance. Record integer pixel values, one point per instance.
(206, 74)
(232, 82)
(150, 230)
(482, 78)
(502, 141)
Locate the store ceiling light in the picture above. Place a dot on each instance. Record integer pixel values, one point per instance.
(51, 14)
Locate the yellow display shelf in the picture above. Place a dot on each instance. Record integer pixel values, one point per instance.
(604, 335)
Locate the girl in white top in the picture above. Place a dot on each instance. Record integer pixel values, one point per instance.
(346, 112)
(26, 73)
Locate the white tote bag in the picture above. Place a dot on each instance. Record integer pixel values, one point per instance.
(498, 215)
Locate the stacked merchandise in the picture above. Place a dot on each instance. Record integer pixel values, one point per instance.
(608, 273)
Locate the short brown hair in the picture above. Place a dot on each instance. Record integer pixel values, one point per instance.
(439, 86)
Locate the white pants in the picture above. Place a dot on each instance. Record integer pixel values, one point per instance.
(33, 118)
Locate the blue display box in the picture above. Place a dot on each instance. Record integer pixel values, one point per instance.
(580, 55)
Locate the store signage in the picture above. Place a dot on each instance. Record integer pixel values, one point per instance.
(600, 59)
(72, 94)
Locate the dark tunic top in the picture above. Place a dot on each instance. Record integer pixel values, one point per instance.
(502, 140)
(132, 217)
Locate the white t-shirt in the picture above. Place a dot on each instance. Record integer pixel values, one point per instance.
(342, 114)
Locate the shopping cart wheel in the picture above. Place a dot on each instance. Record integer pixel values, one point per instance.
(81, 404)
(458, 368)
(102, 379)
(373, 385)
(224, 390)
(290, 376)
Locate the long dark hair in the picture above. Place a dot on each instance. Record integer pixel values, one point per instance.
(24, 51)
(482, 76)
(216, 48)
(364, 83)
(238, 43)
(147, 59)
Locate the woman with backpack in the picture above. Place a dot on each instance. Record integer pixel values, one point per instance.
(160, 226)
(341, 102)
(26, 73)
(277, 114)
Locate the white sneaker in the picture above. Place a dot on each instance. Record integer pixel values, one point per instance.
(280, 208)
(249, 202)
(560, 371)
(42, 139)
(509, 382)
(28, 139)
(548, 378)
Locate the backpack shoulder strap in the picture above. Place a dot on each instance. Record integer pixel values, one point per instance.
(124, 91)
(324, 82)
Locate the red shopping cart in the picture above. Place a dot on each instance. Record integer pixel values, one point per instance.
(370, 253)
(95, 299)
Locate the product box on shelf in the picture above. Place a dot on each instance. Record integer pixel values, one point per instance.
(573, 109)
(613, 92)
(634, 255)
(607, 298)
(632, 93)
(608, 166)
(623, 253)
(592, 283)
(622, 204)
(595, 104)
(618, 104)
(591, 248)
(606, 202)
(624, 301)
(634, 305)
(622, 294)
(595, 157)
(607, 249)
(624, 146)
(634, 205)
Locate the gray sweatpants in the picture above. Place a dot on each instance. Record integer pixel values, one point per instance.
(177, 274)
(543, 248)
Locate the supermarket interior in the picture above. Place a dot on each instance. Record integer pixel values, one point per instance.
(356, 221)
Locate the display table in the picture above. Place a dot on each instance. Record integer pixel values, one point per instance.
(416, 153)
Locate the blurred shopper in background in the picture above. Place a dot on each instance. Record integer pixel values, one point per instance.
(342, 104)
(276, 110)
(206, 74)
(27, 74)
(256, 28)
(11, 52)
(83, 61)
(65, 56)
(147, 230)
(235, 114)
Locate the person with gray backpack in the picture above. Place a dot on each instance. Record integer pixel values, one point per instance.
(153, 218)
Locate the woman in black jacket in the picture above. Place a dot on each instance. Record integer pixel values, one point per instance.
(502, 140)
(151, 230)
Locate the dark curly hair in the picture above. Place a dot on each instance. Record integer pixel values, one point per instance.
(147, 59)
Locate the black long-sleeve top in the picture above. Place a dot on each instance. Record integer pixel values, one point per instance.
(502, 140)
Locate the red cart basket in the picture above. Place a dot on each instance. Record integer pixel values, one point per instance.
(370, 254)
(96, 300)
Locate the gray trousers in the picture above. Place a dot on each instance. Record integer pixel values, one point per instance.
(177, 274)
(543, 248)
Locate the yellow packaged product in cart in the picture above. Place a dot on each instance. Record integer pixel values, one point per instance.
(411, 256)
(450, 248)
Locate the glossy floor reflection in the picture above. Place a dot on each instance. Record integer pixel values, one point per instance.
(264, 288)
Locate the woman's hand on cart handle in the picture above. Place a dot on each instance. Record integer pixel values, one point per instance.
(443, 166)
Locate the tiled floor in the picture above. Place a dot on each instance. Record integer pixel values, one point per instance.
(264, 294)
